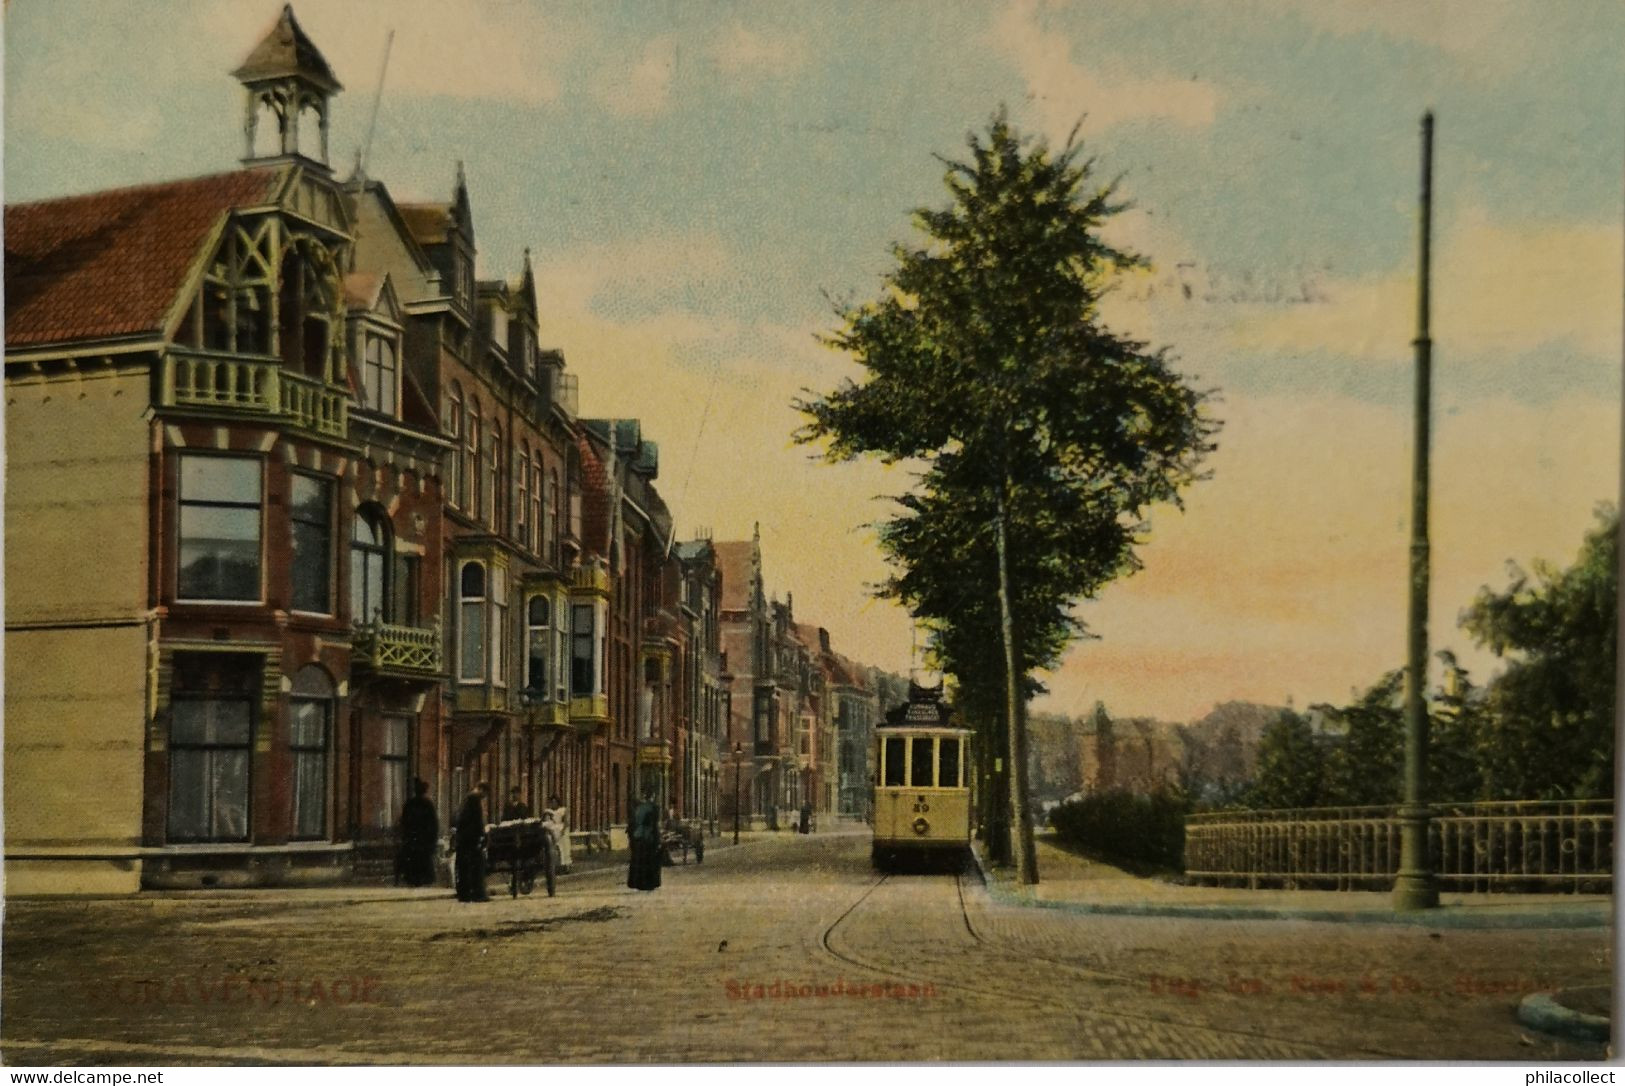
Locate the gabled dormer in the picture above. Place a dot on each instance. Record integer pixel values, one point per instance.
(289, 88)
(376, 323)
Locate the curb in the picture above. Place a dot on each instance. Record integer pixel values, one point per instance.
(1599, 915)
(1542, 1011)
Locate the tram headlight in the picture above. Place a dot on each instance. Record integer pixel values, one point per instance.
(922, 827)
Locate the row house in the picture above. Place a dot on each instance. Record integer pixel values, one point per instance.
(800, 717)
(347, 530)
(201, 402)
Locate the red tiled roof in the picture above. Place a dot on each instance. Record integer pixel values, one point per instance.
(428, 223)
(595, 511)
(111, 263)
(734, 561)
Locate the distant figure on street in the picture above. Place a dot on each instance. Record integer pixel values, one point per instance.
(516, 808)
(420, 835)
(643, 833)
(558, 815)
(471, 847)
(806, 818)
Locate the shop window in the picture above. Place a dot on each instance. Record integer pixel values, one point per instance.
(219, 528)
(312, 568)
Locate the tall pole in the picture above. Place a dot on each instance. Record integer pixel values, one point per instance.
(739, 763)
(1414, 887)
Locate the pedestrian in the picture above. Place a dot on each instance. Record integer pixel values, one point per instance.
(643, 833)
(471, 847)
(806, 818)
(561, 823)
(419, 837)
(517, 809)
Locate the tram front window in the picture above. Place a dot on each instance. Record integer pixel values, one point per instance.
(894, 762)
(920, 774)
(948, 763)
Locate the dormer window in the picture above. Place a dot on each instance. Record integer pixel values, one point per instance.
(380, 375)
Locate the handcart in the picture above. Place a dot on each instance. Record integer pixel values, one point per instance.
(525, 847)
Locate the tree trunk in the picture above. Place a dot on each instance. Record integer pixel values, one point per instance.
(1021, 817)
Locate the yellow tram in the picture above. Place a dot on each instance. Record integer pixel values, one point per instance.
(922, 800)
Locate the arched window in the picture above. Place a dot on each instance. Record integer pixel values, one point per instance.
(497, 499)
(536, 530)
(380, 376)
(553, 516)
(305, 309)
(521, 505)
(310, 731)
(476, 476)
(471, 611)
(369, 565)
(538, 647)
(455, 484)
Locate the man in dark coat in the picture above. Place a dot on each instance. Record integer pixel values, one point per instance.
(420, 833)
(470, 847)
(516, 808)
(643, 833)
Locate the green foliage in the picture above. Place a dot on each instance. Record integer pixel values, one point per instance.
(1291, 763)
(1549, 727)
(1125, 828)
(985, 363)
(1364, 767)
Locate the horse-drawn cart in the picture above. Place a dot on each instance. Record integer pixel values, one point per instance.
(525, 848)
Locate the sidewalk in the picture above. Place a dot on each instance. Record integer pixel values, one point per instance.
(1074, 883)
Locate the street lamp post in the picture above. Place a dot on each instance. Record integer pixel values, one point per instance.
(1414, 888)
(739, 765)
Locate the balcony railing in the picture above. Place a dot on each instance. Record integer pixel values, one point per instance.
(1475, 847)
(402, 650)
(252, 385)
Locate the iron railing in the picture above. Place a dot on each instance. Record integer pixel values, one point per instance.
(1530, 845)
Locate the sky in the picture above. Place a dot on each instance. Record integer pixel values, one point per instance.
(698, 183)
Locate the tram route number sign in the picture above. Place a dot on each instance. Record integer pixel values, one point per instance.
(921, 806)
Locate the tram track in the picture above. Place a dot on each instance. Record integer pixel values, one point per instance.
(1187, 1038)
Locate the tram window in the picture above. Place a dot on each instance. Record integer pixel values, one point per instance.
(894, 762)
(920, 773)
(947, 763)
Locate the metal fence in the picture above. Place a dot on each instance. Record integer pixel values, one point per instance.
(1523, 846)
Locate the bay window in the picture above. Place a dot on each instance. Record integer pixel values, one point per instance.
(538, 647)
(471, 614)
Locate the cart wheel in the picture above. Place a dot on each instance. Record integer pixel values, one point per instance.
(550, 868)
(527, 883)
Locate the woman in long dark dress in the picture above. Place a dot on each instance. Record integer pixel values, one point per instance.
(420, 833)
(643, 833)
(470, 847)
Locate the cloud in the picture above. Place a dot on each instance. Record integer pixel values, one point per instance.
(1063, 91)
(746, 54)
(468, 49)
(645, 89)
(1498, 288)
(1475, 29)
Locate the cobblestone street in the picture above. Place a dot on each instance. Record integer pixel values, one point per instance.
(785, 949)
